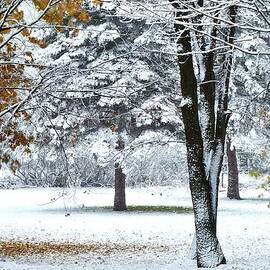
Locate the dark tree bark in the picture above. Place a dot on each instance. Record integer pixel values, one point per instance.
(205, 137)
(119, 183)
(233, 174)
(208, 250)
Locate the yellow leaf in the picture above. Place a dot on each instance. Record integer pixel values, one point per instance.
(41, 4)
(84, 17)
(97, 2)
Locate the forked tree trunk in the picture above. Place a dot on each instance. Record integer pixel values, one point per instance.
(233, 174)
(120, 185)
(205, 139)
(208, 250)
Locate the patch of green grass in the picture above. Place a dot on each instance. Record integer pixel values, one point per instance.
(159, 208)
(145, 209)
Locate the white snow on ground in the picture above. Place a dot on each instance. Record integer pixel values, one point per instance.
(244, 229)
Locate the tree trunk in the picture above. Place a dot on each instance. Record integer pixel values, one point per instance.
(119, 182)
(233, 174)
(205, 139)
(119, 194)
(208, 250)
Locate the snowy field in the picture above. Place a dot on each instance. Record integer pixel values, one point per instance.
(128, 240)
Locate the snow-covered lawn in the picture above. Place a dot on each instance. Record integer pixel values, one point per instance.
(128, 240)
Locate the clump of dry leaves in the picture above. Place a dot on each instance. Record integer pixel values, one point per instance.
(20, 248)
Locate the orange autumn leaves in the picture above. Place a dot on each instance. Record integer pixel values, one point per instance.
(65, 11)
(7, 21)
(14, 138)
(11, 77)
(13, 82)
(54, 12)
(57, 12)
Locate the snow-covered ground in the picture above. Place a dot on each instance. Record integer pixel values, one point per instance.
(135, 240)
